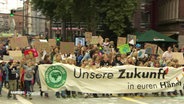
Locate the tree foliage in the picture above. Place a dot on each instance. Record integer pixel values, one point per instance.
(111, 13)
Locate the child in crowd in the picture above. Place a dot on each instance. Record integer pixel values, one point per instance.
(105, 61)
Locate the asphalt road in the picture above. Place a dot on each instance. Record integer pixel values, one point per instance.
(37, 99)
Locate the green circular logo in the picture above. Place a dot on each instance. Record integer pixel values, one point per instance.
(55, 76)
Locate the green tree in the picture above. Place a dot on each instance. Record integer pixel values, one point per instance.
(113, 13)
(110, 13)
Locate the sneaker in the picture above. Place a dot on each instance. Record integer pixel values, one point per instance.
(15, 98)
(86, 95)
(46, 95)
(9, 96)
(57, 96)
(30, 98)
(41, 93)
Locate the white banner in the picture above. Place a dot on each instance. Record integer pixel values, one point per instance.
(119, 79)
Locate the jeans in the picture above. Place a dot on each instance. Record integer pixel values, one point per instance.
(27, 85)
(1, 85)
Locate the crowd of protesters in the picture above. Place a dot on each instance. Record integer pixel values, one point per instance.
(22, 75)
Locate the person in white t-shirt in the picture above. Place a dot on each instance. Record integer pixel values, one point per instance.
(167, 55)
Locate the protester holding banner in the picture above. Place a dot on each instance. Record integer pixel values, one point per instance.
(105, 62)
(13, 75)
(46, 60)
(57, 59)
(28, 77)
(117, 61)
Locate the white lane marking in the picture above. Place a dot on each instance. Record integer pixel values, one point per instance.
(19, 98)
(133, 100)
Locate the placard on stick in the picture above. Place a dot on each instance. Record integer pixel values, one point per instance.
(16, 55)
(88, 36)
(6, 58)
(131, 37)
(52, 42)
(150, 48)
(96, 40)
(20, 42)
(121, 41)
(67, 47)
(40, 46)
(179, 56)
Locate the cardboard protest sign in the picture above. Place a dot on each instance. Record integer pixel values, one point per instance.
(67, 47)
(7, 58)
(88, 36)
(96, 40)
(131, 38)
(121, 41)
(179, 56)
(20, 42)
(101, 39)
(16, 55)
(40, 46)
(123, 49)
(150, 48)
(141, 53)
(160, 51)
(31, 51)
(52, 42)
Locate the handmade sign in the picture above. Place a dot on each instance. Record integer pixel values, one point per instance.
(141, 53)
(40, 46)
(88, 36)
(121, 41)
(7, 58)
(160, 51)
(123, 49)
(131, 38)
(179, 57)
(20, 42)
(16, 55)
(150, 48)
(52, 42)
(67, 47)
(31, 51)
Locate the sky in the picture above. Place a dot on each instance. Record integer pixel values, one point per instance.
(7, 5)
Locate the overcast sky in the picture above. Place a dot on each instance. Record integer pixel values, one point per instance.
(7, 5)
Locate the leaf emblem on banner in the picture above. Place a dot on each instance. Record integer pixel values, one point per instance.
(167, 70)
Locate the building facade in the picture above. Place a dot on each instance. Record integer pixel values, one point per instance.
(34, 21)
(168, 18)
(4, 23)
(165, 16)
(18, 18)
(141, 19)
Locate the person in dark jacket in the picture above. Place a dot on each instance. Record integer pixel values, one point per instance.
(117, 61)
(12, 75)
